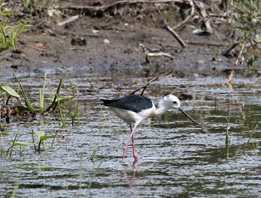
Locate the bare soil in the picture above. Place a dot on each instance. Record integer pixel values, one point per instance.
(109, 43)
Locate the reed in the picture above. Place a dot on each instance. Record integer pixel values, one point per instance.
(227, 139)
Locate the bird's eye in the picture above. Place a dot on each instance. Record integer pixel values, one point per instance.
(174, 102)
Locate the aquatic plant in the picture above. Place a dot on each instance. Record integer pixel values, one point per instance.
(41, 92)
(15, 190)
(29, 105)
(16, 143)
(227, 131)
(41, 138)
(227, 138)
(57, 100)
(93, 173)
(37, 143)
(66, 106)
(253, 131)
(9, 90)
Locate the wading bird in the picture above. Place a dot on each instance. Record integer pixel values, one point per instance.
(133, 109)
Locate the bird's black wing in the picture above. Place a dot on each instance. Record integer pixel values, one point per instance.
(134, 103)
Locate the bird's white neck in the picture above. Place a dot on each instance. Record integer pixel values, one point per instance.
(161, 108)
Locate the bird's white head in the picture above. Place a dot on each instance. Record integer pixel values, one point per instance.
(171, 101)
(166, 103)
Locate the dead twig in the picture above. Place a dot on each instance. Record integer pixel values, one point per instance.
(69, 20)
(144, 87)
(159, 54)
(227, 52)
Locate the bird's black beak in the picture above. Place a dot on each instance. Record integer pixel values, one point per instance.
(187, 116)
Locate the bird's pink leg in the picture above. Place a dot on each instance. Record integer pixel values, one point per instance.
(125, 147)
(135, 154)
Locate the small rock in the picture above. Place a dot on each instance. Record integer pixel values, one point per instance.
(106, 41)
(200, 62)
(95, 31)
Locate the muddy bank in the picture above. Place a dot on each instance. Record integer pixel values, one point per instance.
(112, 44)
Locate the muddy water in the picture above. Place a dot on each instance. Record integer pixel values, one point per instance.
(176, 158)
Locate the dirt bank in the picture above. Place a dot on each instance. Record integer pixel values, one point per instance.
(112, 43)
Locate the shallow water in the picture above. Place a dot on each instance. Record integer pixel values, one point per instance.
(176, 158)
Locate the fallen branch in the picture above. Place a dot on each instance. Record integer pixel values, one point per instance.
(174, 34)
(149, 53)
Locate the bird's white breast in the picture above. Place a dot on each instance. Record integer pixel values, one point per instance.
(131, 117)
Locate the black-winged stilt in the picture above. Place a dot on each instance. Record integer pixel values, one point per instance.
(135, 108)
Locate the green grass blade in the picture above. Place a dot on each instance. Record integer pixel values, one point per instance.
(23, 93)
(18, 143)
(13, 195)
(54, 103)
(42, 91)
(46, 137)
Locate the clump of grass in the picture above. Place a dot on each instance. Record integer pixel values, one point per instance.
(36, 7)
(246, 18)
(9, 34)
(64, 104)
